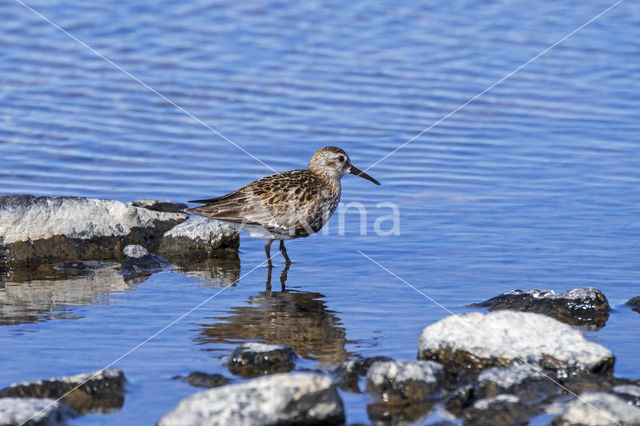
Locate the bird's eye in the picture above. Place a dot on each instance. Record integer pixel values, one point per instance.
(341, 158)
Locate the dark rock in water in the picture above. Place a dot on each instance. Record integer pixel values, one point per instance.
(33, 412)
(581, 306)
(197, 239)
(258, 359)
(474, 341)
(404, 383)
(634, 303)
(280, 399)
(138, 262)
(98, 392)
(594, 408)
(389, 414)
(347, 374)
(160, 206)
(204, 380)
(55, 229)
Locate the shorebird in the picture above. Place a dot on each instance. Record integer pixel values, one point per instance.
(285, 205)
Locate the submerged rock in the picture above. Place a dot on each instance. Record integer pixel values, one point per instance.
(348, 373)
(160, 206)
(204, 380)
(634, 303)
(139, 262)
(581, 306)
(33, 412)
(403, 383)
(54, 229)
(281, 399)
(197, 239)
(98, 392)
(258, 359)
(595, 408)
(474, 341)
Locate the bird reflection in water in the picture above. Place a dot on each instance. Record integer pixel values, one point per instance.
(289, 317)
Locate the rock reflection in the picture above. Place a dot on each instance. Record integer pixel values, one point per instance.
(29, 296)
(212, 272)
(298, 319)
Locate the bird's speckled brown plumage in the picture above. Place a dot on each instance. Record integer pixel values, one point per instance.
(285, 205)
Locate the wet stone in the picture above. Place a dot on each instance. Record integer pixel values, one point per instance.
(258, 359)
(595, 408)
(160, 206)
(98, 392)
(280, 399)
(403, 383)
(139, 262)
(474, 341)
(204, 380)
(33, 412)
(587, 307)
(58, 229)
(82, 268)
(197, 239)
(348, 373)
(634, 303)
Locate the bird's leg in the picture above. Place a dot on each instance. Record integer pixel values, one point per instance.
(283, 250)
(267, 250)
(283, 275)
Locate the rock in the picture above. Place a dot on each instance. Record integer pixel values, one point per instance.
(97, 392)
(197, 239)
(282, 399)
(581, 306)
(505, 409)
(403, 383)
(204, 380)
(634, 303)
(160, 206)
(258, 359)
(138, 262)
(55, 229)
(595, 408)
(347, 374)
(33, 412)
(507, 377)
(474, 341)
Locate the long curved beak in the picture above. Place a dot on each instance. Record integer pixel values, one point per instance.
(356, 171)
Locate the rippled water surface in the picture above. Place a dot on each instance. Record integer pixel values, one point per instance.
(535, 184)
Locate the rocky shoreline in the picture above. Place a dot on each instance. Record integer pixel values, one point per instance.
(525, 358)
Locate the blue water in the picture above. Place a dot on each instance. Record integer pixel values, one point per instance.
(535, 184)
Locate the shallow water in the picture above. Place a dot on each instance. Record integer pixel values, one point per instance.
(533, 185)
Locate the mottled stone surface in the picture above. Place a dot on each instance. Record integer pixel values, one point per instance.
(403, 383)
(97, 392)
(258, 359)
(160, 206)
(586, 306)
(33, 412)
(595, 408)
(55, 229)
(280, 399)
(138, 262)
(204, 380)
(474, 341)
(348, 373)
(197, 239)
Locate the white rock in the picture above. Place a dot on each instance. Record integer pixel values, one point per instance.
(484, 404)
(509, 376)
(628, 389)
(596, 409)
(276, 399)
(381, 372)
(135, 251)
(42, 411)
(260, 347)
(511, 336)
(200, 228)
(28, 218)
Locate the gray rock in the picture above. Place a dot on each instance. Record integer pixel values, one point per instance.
(197, 239)
(33, 412)
(54, 229)
(160, 206)
(258, 359)
(204, 380)
(138, 262)
(282, 399)
(595, 408)
(348, 373)
(97, 392)
(402, 383)
(634, 303)
(474, 341)
(586, 306)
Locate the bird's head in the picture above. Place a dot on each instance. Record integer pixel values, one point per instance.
(334, 163)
